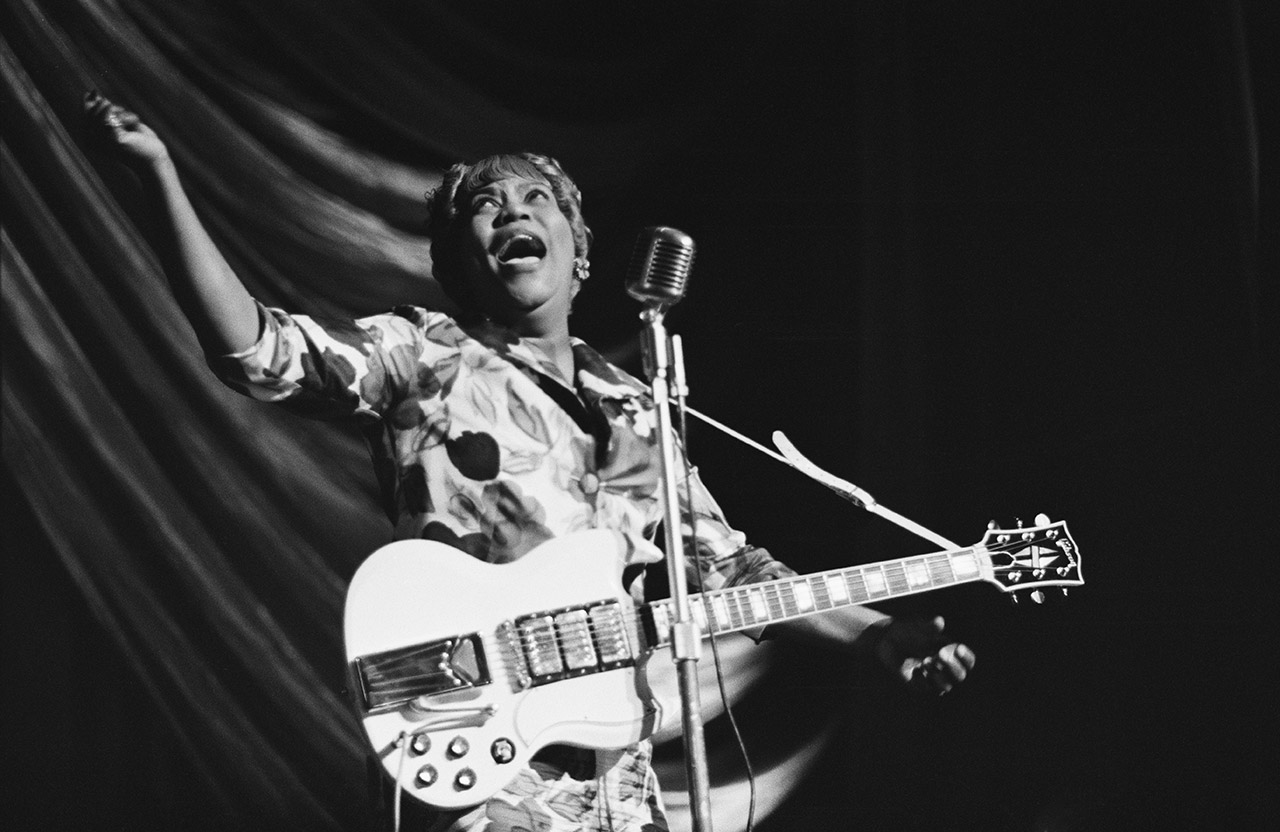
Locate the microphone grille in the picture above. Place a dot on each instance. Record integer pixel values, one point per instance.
(660, 265)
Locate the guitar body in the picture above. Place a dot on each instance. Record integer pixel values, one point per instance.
(466, 709)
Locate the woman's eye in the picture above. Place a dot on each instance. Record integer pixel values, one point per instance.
(483, 203)
(538, 196)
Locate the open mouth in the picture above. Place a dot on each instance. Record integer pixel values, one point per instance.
(521, 247)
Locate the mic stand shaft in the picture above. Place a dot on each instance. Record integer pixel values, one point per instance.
(686, 639)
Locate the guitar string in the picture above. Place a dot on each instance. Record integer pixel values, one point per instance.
(741, 613)
(739, 610)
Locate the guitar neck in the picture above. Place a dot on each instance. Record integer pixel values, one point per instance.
(755, 605)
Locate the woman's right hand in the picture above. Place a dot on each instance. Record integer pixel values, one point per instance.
(223, 313)
(135, 143)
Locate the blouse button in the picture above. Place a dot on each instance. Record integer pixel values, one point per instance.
(590, 483)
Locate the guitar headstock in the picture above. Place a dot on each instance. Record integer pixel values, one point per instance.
(1033, 557)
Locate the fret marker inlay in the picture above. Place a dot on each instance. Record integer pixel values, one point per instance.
(875, 582)
(804, 598)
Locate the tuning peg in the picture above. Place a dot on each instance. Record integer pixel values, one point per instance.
(1038, 597)
(1064, 590)
(992, 525)
(1042, 519)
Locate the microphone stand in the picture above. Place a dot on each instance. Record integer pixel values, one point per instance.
(686, 640)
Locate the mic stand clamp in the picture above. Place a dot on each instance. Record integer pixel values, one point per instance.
(686, 639)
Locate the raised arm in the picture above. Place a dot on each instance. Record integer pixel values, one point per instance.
(220, 309)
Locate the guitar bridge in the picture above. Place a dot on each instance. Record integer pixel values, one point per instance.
(394, 678)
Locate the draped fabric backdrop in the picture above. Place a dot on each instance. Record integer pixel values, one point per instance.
(984, 259)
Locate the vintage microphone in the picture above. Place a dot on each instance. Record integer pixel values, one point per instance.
(656, 276)
(659, 269)
(660, 265)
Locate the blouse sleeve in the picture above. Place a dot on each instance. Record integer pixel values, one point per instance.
(327, 368)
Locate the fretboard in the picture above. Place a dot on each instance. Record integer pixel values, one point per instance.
(755, 605)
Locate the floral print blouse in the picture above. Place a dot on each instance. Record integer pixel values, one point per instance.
(480, 443)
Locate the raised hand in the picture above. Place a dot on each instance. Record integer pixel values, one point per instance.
(135, 143)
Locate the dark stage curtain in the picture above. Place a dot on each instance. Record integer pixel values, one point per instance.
(988, 259)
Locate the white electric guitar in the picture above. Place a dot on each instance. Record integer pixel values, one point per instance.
(462, 670)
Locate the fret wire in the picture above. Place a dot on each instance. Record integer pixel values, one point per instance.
(896, 577)
(726, 609)
(789, 596)
(775, 602)
(748, 609)
(857, 584)
(735, 610)
(787, 600)
(818, 589)
(777, 605)
(704, 614)
(940, 565)
(744, 604)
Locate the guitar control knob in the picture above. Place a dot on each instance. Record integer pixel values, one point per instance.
(420, 744)
(426, 776)
(503, 750)
(465, 779)
(458, 747)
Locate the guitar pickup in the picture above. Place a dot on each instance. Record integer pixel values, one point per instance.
(390, 679)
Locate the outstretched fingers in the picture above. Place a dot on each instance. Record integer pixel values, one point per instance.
(121, 129)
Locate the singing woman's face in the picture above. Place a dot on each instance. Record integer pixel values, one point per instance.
(518, 253)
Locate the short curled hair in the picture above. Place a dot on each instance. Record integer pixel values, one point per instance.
(447, 203)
